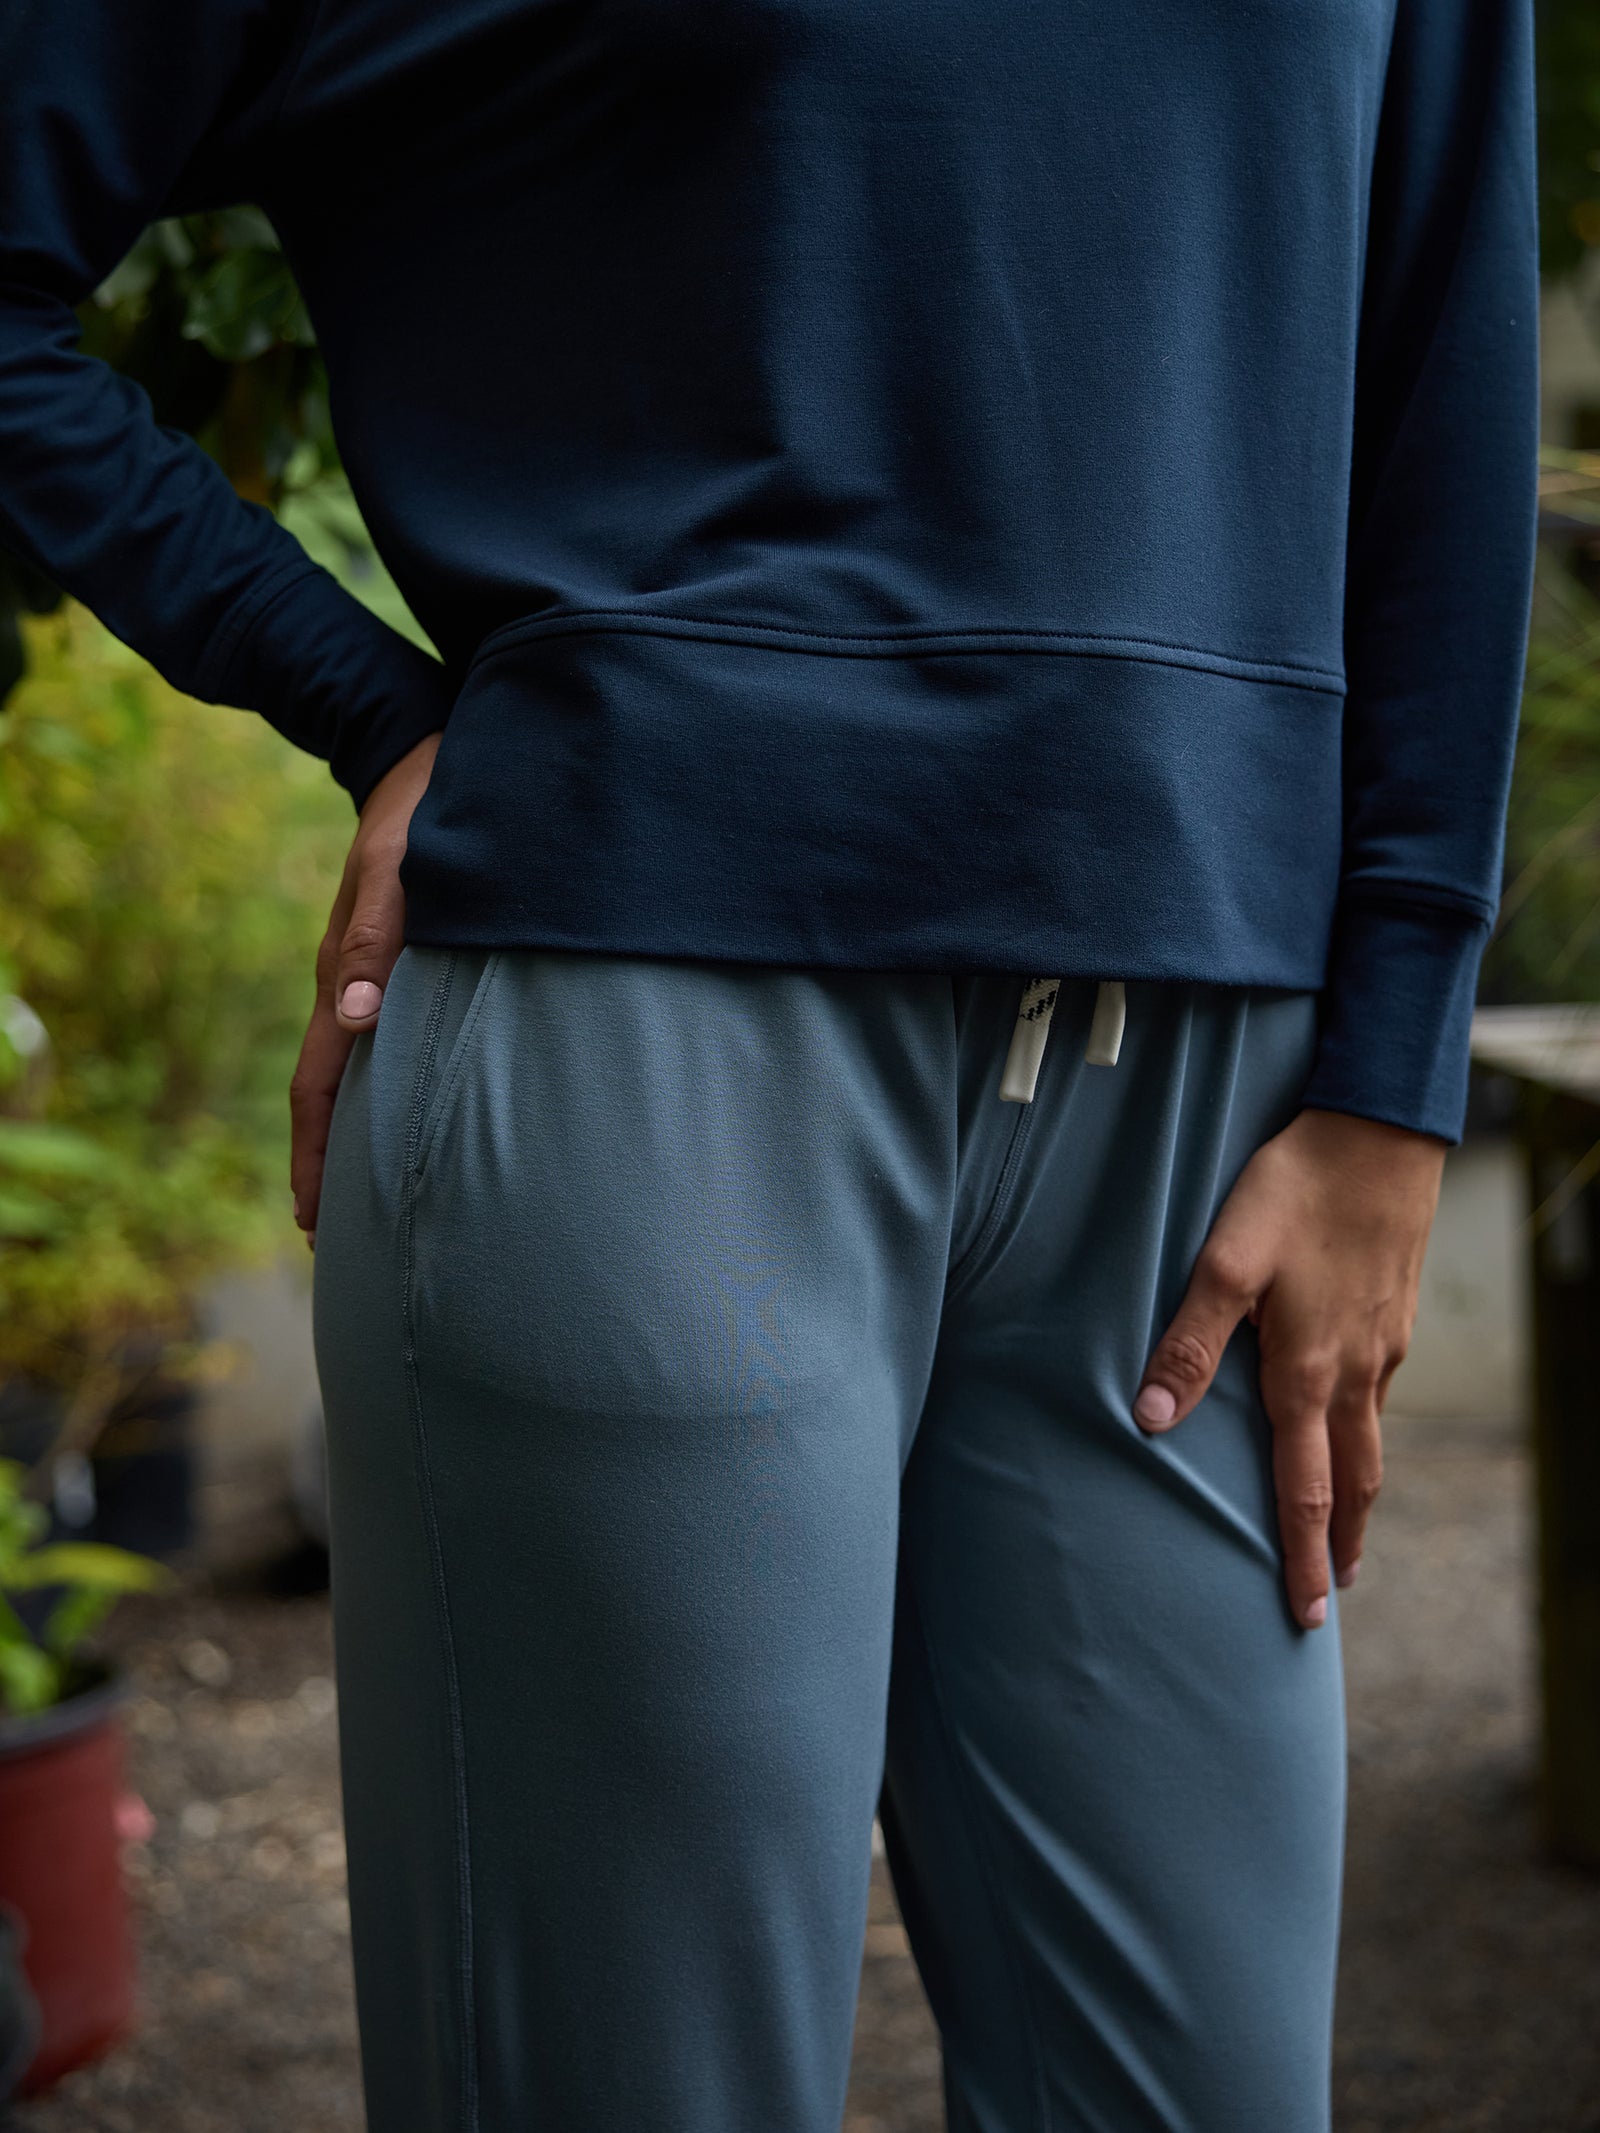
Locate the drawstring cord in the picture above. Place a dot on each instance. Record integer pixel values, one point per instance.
(1039, 997)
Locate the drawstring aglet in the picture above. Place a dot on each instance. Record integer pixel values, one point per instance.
(1039, 996)
(1021, 1074)
(1110, 1019)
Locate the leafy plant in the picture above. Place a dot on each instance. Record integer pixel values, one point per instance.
(36, 1672)
(1547, 939)
(166, 868)
(205, 315)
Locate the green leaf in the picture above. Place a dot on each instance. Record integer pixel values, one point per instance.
(30, 1680)
(35, 1149)
(241, 227)
(242, 305)
(27, 1217)
(21, 1520)
(74, 1616)
(86, 1563)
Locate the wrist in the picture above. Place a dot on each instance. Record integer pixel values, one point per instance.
(1371, 1146)
(405, 780)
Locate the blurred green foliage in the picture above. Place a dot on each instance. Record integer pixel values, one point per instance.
(166, 869)
(86, 1580)
(205, 315)
(1569, 132)
(1546, 944)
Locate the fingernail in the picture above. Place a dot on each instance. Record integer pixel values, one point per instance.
(1155, 1405)
(1316, 1614)
(360, 999)
(299, 1215)
(1347, 1576)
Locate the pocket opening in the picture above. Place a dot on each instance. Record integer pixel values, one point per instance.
(453, 1014)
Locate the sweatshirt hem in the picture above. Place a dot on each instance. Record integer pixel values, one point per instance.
(695, 793)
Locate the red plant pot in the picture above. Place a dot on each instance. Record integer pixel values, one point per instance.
(61, 1869)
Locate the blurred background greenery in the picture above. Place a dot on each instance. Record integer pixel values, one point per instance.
(165, 871)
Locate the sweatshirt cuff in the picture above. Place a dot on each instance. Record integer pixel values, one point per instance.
(1396, 1015)
(330, 675)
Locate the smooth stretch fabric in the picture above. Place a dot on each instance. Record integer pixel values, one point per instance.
(1041, 486)
(728, 1402)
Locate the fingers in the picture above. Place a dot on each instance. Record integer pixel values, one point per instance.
(1319, 1244)
(369, 946)
(1222, 1291)
(312, 1090)
(1297, 1387)
(1357, 1460)
(365, 935)
(315, 1081)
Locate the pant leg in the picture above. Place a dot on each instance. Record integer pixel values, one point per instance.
(627, 1281)
(1115, 1793)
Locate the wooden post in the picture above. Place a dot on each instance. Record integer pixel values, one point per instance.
(1559, 1128)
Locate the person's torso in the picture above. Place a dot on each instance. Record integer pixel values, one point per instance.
(845, 317)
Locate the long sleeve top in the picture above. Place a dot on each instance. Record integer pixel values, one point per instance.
(893, 484)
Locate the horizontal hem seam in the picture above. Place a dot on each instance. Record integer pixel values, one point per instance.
(425, 930)
(1426, 897)
(909, 645)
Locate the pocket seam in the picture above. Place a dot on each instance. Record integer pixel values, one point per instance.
(438, 1106)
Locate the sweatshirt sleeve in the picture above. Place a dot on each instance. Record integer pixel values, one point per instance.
(112, 115)
(1443, 513)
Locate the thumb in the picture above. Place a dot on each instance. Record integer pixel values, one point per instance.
(370, 948)
(1180, 1372)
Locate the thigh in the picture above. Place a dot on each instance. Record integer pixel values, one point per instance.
(618, 1355)
(1115, 1788)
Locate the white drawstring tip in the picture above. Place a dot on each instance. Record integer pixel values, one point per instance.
(1110, 1019)
(1021, 1075)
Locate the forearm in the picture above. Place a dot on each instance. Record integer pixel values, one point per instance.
(1443, 511)
(102, 120)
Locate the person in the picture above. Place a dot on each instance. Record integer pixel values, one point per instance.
(883, 1056)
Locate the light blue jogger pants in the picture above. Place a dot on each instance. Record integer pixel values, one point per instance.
(729, 1426)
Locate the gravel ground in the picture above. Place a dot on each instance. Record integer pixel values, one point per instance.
(1470, 1986)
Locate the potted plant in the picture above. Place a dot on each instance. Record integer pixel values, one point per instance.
(60, 1782)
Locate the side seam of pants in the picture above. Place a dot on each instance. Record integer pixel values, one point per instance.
(447, 1635)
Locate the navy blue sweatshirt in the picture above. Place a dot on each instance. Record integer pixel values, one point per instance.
(1037, 485)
